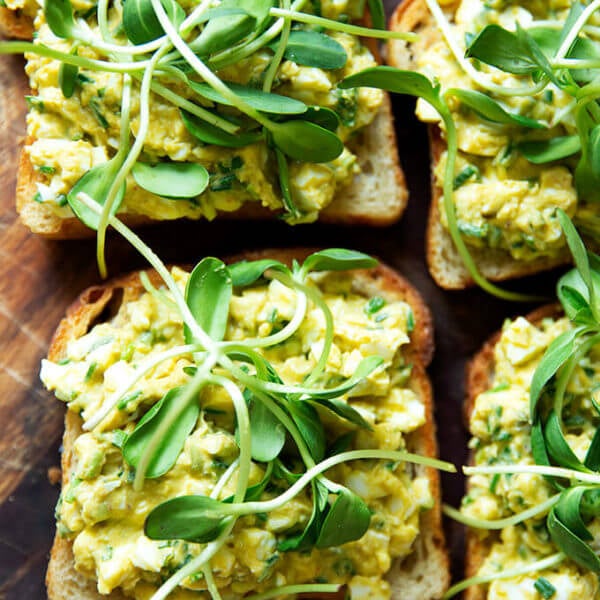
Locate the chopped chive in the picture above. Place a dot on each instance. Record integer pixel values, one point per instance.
(467, 173)
(544, 588)
(90, 372)
(375, 304)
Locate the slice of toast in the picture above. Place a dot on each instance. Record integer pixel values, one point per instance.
(445, 264)
(377, 196)
(479, 378)
(423, 575)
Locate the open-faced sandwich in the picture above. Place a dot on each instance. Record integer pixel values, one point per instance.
(516, 80)
(533, 412)
(279, 443)
(164, 110)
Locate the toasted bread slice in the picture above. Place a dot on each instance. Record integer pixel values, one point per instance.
(423, 575)
(377, 196)
(445, 264)
(479, 378)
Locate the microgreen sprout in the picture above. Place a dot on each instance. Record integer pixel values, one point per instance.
(549, 56)
(268, 411)
(155, 44)
(568, 512)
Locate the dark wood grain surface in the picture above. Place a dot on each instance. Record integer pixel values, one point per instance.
(38, 279)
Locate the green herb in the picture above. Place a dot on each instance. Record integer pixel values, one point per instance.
(68, 79)
(167, 450)
(545, 589)
(90, 372)
(491, 110)
(549, 150)
(132, 397)
(375, 304)
(171, 179)
(97, 112)
(208, 293)
(314, 49)
(469, 172)
(46, 170)
(34, 103)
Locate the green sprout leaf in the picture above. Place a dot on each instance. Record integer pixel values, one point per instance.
(347, 520)
(587, 172)
(305, 141)
(558, 447)
(310, 426)
(568, 511)
(171, 179)
(338, 259)
(170, 446)
(377, 12)
(268, 434)
(573, 546)
(504, 50)
(324, 117)
(223, 31)
(545, 151)
(308, 537)
(191, 518)
(592, 457)
(313, 49)
(263, 101)
(208, 294)
(140, 22)
(343, 410)
(292, 211)
(245, 273)
(397, 81)
(556, 354)
(95, 183)
(59, 16)
(578, 251)
(365, 368)
(210, 134)
(489, 109)
(67, 79)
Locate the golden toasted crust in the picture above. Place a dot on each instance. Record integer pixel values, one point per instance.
(15, 24)
(422, 576)
(444, 262)
(479, 378)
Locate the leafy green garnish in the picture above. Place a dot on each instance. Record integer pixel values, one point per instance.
(171, 179)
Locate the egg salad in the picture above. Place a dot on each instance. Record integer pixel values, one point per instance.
(502, 199)
(103, 514)
(69, 136)
(501, 430)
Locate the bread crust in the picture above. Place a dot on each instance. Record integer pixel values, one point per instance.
(424, 575)
(479, 375)
(444, 262)
(15, 24)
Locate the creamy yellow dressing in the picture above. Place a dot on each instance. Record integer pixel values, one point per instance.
(69, 136)
(507, 203)
(104, 516)
(501, 435)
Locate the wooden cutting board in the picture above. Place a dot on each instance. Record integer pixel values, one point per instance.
(38, 280)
